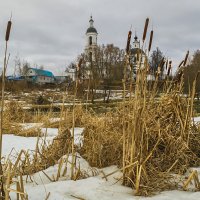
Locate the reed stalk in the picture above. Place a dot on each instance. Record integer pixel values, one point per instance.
(2, 193)
(73, 164)
(186, 58)
(124, 100)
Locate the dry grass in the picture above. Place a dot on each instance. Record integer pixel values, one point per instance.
(48, 155)
(160, 138)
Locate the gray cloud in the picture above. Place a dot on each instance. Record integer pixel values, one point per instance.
(52, 33)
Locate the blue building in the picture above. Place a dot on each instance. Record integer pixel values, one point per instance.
(15, 78)
(39, 76)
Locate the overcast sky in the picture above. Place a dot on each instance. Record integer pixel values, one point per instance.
(52, 32)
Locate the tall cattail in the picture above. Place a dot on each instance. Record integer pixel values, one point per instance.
(186, 58)
(150, 41)
(145, 29)
(169, 68)
(166, 66)
(128, 41)
(8, 30)
(2, 192)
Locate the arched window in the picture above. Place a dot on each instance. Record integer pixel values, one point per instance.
(90, 56)
(90, 40)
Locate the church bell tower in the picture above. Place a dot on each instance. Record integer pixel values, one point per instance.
(91, 40)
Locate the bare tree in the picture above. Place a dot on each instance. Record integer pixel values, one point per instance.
(21, 67)
(102, 69)
(155, 60)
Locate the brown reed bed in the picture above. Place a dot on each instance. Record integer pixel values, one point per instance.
(160, 139)
(66, 120)
(14, 113)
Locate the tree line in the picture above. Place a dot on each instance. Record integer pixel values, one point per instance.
(190, 72)
(105, 68)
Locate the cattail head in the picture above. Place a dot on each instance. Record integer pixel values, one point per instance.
(128, 41)
(145, 29)
(169, 68)
(166, 66)
(8, 30)
(150, 41)
(186, 58)
(168, 71)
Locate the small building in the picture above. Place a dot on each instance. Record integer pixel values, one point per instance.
(61, 79)
(15, 78)
(39, 76)
(71, 74)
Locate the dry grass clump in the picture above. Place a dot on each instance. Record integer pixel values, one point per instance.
(15, 113)
(66, 118)
(14, 116)
(17, 129)
(12, 128)
(160, 139)
(102, 144)
(31, 132)
(45, 155)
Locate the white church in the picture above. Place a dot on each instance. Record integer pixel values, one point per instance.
(136, 53)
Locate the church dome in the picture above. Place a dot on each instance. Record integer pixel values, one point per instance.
(91, 30)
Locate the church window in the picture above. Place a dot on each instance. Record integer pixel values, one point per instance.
(90, 40)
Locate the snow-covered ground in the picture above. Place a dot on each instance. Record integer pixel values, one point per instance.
(197, 119)
(95, 188)
(12, 144)
(91, 188)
